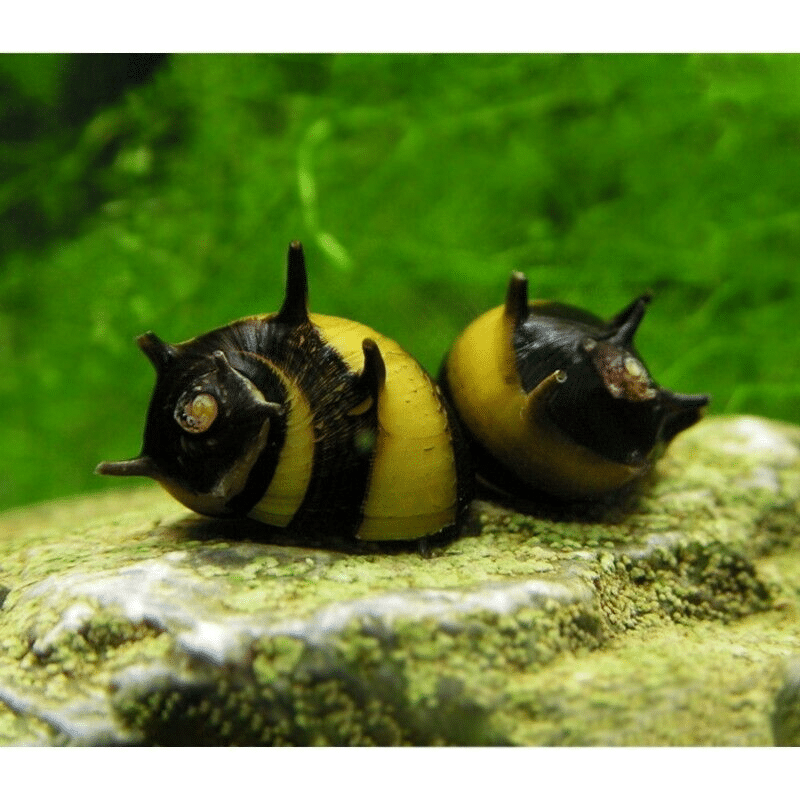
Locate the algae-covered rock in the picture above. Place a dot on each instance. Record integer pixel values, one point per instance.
(667, 617)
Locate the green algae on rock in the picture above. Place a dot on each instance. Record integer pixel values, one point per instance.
(127, 620)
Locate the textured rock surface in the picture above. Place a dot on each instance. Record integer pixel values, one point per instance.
(670, 620)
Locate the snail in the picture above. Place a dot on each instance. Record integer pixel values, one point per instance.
(555, 400)
(311, 423)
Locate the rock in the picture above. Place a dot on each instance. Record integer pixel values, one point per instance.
(670, 617)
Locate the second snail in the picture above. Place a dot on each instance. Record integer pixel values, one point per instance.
(556, 400)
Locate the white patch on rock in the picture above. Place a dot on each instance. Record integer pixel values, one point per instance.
(751, 436)
(500, 599)
(761, 478)
(218, 642)
(72, 620)
(149, 591)
(85, 720)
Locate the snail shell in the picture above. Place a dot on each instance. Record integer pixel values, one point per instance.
(308, 422)
(555, 400)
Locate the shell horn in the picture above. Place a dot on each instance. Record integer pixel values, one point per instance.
(159, 352)
(680, 411)
(628, 320)
(141, 466)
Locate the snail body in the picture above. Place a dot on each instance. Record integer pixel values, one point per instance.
(303, 421)
(556, 400)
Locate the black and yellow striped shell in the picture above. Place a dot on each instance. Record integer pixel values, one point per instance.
(556, 400)
(308, 422)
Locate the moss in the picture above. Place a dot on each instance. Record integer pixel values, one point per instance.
(361, 697)
(704, 685)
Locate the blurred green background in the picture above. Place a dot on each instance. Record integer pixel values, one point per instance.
(147, 192)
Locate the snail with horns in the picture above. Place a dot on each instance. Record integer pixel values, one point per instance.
(556, 400)
(311, 423)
